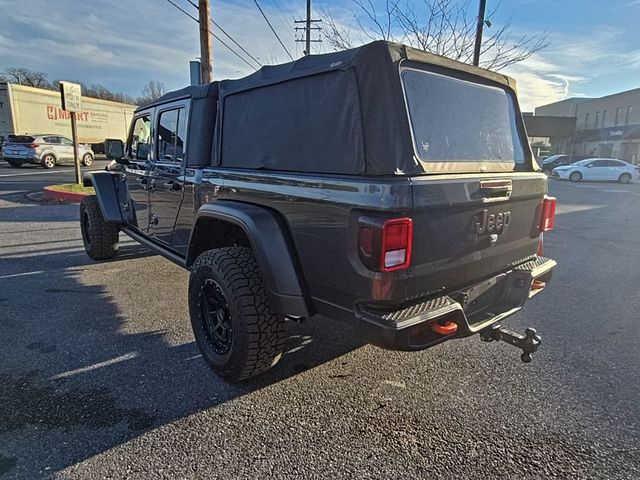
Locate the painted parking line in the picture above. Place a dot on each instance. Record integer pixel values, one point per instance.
(38, 272)
(71, 373)
(44, 172)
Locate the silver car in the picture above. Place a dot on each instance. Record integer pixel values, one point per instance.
(45, 150)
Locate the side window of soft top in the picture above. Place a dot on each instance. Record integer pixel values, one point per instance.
(139, 142)
(171, 135)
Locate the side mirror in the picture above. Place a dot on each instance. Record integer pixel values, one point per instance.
(114, 150)
(591, 165)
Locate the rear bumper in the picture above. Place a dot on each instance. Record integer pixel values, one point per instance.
(471, 309)
(20, 159)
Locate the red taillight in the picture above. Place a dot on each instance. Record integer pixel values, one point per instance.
(397, 239)
(548, 217)
(33, 145)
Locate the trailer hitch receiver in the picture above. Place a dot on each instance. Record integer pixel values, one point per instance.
(528, 343)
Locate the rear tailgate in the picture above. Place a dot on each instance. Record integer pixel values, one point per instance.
(18, 145)
(470, 227)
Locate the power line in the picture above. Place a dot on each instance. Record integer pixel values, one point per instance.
(212, 34)
(283, 16)
(272, 29)
(230, 37)
(295, 5)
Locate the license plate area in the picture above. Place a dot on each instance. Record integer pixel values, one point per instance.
(481, 296)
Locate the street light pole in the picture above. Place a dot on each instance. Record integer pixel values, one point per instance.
(479, 27)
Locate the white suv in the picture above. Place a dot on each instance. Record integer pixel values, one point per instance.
(45, 150)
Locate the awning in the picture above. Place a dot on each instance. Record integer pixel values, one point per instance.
(610, 134)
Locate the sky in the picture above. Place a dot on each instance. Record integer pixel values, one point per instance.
(594, 45)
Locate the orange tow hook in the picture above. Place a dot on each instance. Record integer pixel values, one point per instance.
(444, 328)
(537, 285)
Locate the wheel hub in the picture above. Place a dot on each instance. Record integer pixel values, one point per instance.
(215, 316)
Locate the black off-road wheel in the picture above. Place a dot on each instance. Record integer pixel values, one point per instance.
(99, 237)
(237, 332)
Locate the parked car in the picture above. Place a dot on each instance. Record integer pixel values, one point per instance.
(598, 169)
(45, 150)
(549, 163)
(406, 214)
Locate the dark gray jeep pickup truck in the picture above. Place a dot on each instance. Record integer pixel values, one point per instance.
(380, 186)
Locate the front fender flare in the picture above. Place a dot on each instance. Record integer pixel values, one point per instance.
(106, 185)
(267, 234)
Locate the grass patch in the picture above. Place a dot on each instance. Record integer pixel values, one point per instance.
(73, 187)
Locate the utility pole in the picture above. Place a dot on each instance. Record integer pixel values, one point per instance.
(307, 28)
(479, 27)
(205, 41)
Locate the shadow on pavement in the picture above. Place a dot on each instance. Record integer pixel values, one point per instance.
(76, 381)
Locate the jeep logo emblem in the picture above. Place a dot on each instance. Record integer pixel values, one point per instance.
(491, 223)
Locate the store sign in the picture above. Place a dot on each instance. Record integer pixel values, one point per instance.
(616, 133)
(71, 94)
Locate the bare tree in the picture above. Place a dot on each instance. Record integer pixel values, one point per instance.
(443, 27)
(24, 76)
(152, 91)
(103, 93)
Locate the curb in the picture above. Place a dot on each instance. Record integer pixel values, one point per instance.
(49, 193)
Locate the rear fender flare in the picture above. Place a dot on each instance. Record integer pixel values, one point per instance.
(268, 237)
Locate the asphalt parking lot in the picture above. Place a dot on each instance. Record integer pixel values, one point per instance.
(100, 376)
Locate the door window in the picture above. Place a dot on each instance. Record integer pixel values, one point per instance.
(51, 140)
(140, 140)
(171, 135)
(66, 141)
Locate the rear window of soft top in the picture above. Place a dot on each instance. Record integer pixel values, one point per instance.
(455, 120)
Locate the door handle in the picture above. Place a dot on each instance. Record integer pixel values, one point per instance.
(173, 186)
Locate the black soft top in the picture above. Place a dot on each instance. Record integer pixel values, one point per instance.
(192, 91)
(384, 55)
(284, 127)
